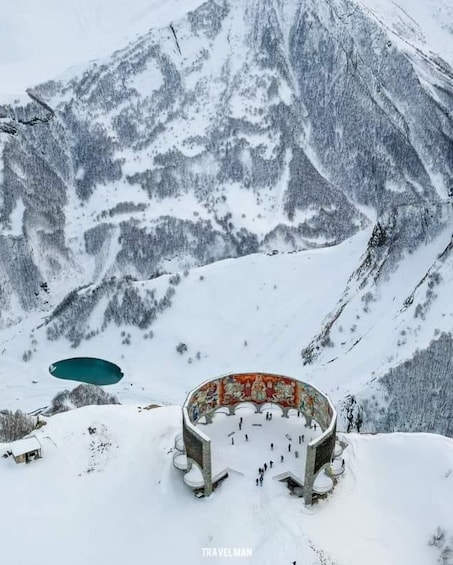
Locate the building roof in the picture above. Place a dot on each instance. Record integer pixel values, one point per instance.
(25, 445)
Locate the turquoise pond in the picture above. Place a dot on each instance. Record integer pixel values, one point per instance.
(87, 370)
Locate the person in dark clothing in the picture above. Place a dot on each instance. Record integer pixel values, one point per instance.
(289, 447)
(246, 437)
(265, 466)
(272, 446)
(270, 464)
(303, 438)
(257, 481)
(300, 439)
(281, 458)
(232, 441)
(261, 480)
(240, 420)
(240, 426)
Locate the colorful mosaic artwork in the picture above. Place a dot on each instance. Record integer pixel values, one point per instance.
(260, 388)
(204, 400)
(314, 404)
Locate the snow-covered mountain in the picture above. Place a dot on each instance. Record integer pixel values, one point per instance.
(235, 129)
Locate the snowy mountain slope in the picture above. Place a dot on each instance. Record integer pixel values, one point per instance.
(238, 129)
(424, 26)
(261, 326)
(41, 41)
(234, 315)
(177, 115)
(114, 496)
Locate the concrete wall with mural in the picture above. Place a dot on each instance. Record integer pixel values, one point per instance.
(259, 389)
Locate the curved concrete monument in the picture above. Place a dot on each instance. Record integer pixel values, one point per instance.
(259, 389)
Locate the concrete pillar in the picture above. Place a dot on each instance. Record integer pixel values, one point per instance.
(207, 470)
(309, 475)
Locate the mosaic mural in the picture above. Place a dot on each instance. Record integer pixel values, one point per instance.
(314, 404)
(260, 388)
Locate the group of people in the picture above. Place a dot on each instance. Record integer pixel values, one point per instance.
(263, 469)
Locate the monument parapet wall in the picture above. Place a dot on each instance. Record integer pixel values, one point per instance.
(259, 389)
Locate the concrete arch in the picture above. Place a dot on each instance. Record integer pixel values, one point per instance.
(245, 405)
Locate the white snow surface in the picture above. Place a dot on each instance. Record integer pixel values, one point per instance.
(25, 445)
(114, 497)
(426, 25)
(44, 40)
(41, 40)
(251, 313)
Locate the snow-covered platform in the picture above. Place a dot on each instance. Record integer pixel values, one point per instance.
(180, 461)
(246, 441)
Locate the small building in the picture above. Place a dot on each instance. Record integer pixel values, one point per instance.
(26, 450)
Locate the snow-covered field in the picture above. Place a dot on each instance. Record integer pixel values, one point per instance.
(115, 497)
(252, 313)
